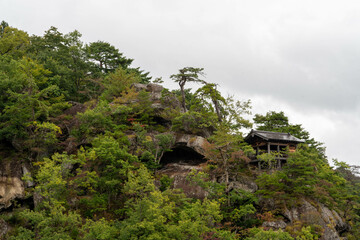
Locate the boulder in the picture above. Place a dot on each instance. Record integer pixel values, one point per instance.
(197, 143)
(10, 189)
(159, 101)
(12, 186)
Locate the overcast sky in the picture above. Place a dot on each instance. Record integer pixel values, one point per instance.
(300, 57)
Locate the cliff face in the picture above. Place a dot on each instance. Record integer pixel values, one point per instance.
(306, 213)
(186, 156)
(318, 214)
(177, 166)
(12, 186)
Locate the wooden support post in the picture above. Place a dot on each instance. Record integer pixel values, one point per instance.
(268, 147)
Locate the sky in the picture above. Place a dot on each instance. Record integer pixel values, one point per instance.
(300, 57)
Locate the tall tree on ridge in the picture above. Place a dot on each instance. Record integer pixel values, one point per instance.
(187, 74)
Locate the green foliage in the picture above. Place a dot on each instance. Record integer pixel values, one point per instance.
(25, 99)
(54, 224)
(209, 93)
(260, 234)
(13, 42)
(65, 57)
(187, 74)
(157, 217)
(193, 122)
(3, 25)
(99, 230)
(267, 160)
(241, 208)
(278, 122)
(141, 184)
(165, 182)
(297, 178)
(107, 190)
(51, 180)
(225, 153)
(153, 214)
(215, 190)
(117, 82)
(306, 234)
(106, 57)
(305, 175)
(94, 121)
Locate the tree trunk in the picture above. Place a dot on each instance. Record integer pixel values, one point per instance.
(217, 109)
(182, 84)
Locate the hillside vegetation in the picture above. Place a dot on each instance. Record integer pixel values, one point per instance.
(84, 135)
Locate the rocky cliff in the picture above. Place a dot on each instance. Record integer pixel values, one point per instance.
(187, 155)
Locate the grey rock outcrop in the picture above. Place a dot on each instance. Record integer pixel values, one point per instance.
(187, 156)
(10, 189)
(243, 183)
(179, 173)
(197, 143)
(329, 220)
(159, 102)
(4, 228)
(274, 224)
(12, 186)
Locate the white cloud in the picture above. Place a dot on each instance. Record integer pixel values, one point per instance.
(297, 56)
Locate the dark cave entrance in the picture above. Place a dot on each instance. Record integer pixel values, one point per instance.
(182, 155)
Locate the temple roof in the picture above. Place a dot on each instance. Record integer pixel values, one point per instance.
(272, 136)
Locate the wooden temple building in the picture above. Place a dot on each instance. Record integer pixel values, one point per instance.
(271, 142)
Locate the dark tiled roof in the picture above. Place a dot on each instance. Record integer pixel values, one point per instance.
(277, 136)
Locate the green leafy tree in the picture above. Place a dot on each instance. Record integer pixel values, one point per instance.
(52, 225)
(3, 25)
(209, 92)
(166, 215)
(99, 230)
(65, 57)
(278, 122)
(260, 234)
(185, 75)
(26, 98)
(117, 83)
(106, 57)
(13, 42)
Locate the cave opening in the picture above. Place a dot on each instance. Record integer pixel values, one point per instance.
(182, 155)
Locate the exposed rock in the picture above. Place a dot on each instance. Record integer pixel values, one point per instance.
(275, 224)
(159, 102)
(179, 173)
(68, 121)
(10, 189)
(27, 173)
(153, 89)
(197, 143)
(186, 156)
(139, 87)
(11, 185)
(4, 228)
(244, 184)
(328, 219)
(187, 149)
